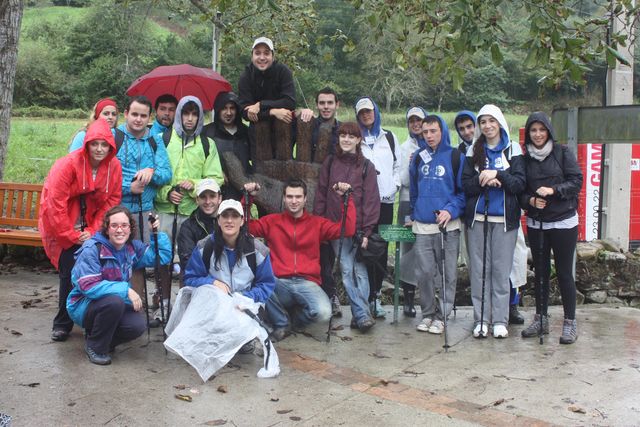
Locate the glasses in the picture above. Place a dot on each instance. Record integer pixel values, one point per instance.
(124, 227)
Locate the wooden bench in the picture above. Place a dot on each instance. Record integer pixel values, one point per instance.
(20, 207)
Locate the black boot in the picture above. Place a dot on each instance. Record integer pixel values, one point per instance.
(409, 295)
(515, 318)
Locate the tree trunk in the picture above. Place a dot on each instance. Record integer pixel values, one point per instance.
(10, 18)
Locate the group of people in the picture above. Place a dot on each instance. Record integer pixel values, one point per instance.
(99, 229)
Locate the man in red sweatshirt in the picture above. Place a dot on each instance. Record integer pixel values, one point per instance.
(294, 237)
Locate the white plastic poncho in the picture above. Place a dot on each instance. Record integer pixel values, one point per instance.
(207, 329)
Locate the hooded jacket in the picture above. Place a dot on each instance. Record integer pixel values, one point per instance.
(376, 147)
(273, 87)
(434, 183)
(464, 145)
(410, 146)
(69, 180)
(157, 129)
(559, 170)
(295, 242)
(102, 270)
(137, 154)
(188, 162)
(195, 228)
(238, 143)
(507, 159)
(349, 168)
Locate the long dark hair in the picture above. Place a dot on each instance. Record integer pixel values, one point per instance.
(244, 244)
(479, 156)
(133, 228)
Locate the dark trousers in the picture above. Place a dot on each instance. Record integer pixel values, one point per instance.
(327, 258)
(62, 321)
(108, 322)
(377, 270)
(563, 243)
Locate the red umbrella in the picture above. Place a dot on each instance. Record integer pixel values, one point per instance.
(181, 80)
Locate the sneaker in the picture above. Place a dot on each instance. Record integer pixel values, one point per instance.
(97, 358)
(156, 317)
(279, 334)
(569, 331)
(515, 318)
(366, 324)
(377, 310)
(424, 325)
(481, 330)
(534, 328)
(336, 310)
(59, 335)
(437, 327)
(353, 324)
(248, 348)
(500, 331)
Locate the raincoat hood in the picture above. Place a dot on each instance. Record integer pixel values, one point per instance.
(464, 113)
(177, 121)
(496, 113)
(413, 111)
(376, 129)
(100, 129)
(539, 117)
(223, 99)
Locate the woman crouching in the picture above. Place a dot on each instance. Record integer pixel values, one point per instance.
(102, 300)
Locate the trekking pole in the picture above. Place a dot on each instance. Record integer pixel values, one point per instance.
(539, 292)
(443, 234)
(83, 212)
(144, 271)
(174, 236)
(485, 232)
(157, 272)
(345, 204)
(247, 206)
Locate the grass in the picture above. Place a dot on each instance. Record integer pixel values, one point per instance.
(34, 144)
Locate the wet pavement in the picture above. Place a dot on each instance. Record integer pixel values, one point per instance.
(391, 376)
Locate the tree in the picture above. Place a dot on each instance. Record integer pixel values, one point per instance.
(10, 19)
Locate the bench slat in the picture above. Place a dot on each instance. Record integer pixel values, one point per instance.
(20, 208)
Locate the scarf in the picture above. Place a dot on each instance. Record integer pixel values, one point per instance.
(540, 153)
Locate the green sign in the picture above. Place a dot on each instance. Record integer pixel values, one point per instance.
(396, 233)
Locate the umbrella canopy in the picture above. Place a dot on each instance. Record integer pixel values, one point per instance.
(181, 80)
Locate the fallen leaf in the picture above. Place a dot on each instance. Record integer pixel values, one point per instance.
(216, 422)
(194, 391)
(16, 333)
(379, 356)
(274, 399)
(284, 411)
(410, 372)
(387, 382)
(498, 402)
(337, 328)
(31, 385)
(615, 369)
(71, 404)
(346, 338)
(184, 397)
(3, 350)
(180, 387)
(222, 389)
(378, 401)
(294, 418)
(576, 409)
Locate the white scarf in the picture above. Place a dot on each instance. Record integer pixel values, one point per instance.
(540, 153)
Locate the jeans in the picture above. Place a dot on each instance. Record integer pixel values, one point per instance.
(354, 279)
(299, 299)
(109, 322)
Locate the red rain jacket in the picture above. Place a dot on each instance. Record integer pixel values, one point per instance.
(70, 177)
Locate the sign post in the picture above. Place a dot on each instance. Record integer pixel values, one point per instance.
(396, 233)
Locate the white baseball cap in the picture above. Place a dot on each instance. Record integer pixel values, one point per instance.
(207, 184)
(364, 104)
(263, 40)
(230, 204)
(416, 111)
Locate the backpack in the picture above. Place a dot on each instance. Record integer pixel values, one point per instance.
(455, 164)
(207, 253)
(166, 138)
(392, 143)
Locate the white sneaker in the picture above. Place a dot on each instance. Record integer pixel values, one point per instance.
(437, 327)
(500, 331)
(481, 330)
(424, 325)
